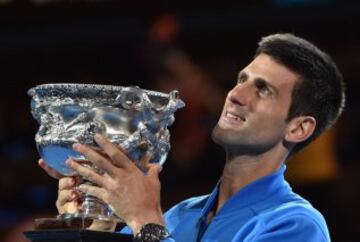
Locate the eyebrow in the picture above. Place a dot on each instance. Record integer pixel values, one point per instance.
(243, 74)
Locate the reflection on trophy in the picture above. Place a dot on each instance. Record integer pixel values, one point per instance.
(131, 117)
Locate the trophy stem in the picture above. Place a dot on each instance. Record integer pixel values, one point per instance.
(91, 209)
(92, 206)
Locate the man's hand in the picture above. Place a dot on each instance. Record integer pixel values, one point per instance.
(133, 195)
(68, 199)
(50, 171)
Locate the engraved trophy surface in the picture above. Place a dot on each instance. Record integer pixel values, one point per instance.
(131, 117)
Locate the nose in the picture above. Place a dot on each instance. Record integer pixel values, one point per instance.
(240, 94)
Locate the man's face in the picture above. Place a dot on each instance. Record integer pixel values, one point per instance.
(253, 119)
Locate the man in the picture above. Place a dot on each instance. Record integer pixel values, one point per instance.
(286, 97)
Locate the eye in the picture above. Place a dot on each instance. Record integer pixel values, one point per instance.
(241, 79)
(266, 92)
(264, 89)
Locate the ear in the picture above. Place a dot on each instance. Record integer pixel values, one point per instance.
(300, 128)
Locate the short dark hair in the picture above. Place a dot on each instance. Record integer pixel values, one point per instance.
(320, 93)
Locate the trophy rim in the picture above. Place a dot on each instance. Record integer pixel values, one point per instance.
(78, 87)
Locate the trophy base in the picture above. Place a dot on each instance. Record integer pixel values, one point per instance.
(62, 224)
(74, 223)
(72, 230)
(76, 236)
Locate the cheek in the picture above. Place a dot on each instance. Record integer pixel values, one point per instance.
(272, 118)
(268, 127)
(277, 110)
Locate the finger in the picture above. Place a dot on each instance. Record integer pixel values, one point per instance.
(96, 158)
(86, 173)
(67, 183)
(50, 171)
(65, 196)
(116, 154)
(97, 192)
(154, 171)
(70, 207)
(145, 160)
(68, 202)
(144, 164)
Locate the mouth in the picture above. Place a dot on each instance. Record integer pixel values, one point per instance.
(234, 116)
(232, 119)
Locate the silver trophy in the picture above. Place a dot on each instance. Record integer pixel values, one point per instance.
(131, 117)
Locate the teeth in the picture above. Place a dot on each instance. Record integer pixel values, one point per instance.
(229, 115)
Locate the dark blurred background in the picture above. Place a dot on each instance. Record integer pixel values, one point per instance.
(197, 48)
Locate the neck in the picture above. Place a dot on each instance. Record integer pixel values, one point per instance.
(241, 170)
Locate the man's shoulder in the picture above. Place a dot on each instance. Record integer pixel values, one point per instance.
(300, 206)
(293, 210)
(291, 205)
(193, 204)
(291, 218)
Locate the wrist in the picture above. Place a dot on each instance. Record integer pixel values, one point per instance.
(152, 232)
(139, 222)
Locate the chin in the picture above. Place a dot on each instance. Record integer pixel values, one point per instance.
(224, 137)
(230, 139)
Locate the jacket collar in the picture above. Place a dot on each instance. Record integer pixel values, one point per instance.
(251, 194)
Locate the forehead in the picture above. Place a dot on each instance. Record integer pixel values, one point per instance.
(268, 69)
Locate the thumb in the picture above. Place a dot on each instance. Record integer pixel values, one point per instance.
(50, 171)
(154, 170)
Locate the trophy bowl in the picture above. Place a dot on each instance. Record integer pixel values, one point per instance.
(131, 117)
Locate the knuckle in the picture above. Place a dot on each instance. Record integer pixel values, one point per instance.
(64, 195)
(82, 148)
(97, 160)
(65, 182)
(106, 197)
(90, 176)
(113, 155)
(58, 205)
(111, 187)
